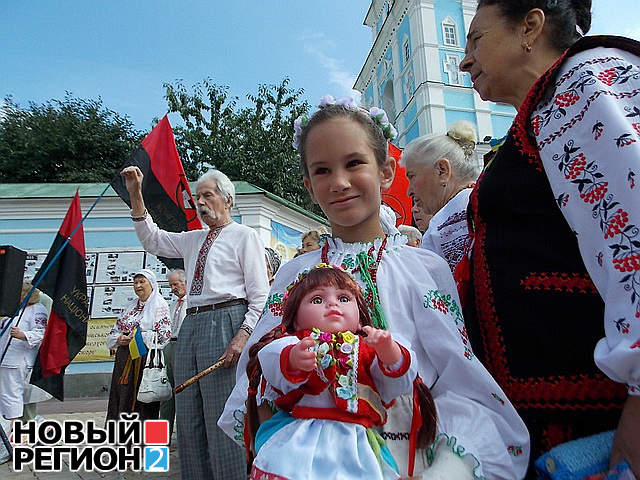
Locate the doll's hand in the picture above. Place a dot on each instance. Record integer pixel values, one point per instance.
(386, 348)
(300, 358)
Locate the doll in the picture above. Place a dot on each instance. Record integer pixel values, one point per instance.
(331, 376)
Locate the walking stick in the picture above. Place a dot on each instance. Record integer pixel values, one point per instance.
(198, 376)
(5, 440)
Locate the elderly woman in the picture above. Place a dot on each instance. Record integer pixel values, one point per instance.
(26, 334)
(441, 171)
(150, 313)
(556, 216)
(420, 219)
(310, 241)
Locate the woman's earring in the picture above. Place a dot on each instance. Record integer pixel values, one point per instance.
(443, 185)
(527, 47)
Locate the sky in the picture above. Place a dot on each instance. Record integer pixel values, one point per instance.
(124, 51)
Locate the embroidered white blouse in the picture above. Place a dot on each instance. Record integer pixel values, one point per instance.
(588, 134)
(420, 302)
(134, 316)
(448, 233)
(33, 324)
(234, 267)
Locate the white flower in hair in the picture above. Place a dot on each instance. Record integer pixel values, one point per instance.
(379, 114)
(327, 100)
(348, 102)
(298, 123)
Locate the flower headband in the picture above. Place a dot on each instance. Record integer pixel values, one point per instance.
(293, 285)
(378, 115)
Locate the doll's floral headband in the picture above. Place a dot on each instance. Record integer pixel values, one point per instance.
(378, 115)
(292, 286)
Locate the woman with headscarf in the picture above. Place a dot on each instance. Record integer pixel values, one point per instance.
(26, 333)
(150, 313)
(273, 260)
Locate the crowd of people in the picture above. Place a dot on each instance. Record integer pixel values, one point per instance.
(512, 328)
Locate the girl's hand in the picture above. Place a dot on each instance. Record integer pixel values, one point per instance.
(17, 333)
(300, 357)
(123, 340)
(386, 348)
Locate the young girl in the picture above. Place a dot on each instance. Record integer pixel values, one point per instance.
(335, 374)
(409, 291)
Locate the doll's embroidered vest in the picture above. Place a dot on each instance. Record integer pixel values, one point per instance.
(534, 315)
(347, 376)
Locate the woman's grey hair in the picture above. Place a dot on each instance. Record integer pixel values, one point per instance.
(457, 145)
(180, 273)
(412, 232)
(224, 185)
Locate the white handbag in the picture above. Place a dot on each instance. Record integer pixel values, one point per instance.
(154, 386)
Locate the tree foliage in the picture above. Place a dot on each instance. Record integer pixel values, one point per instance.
(250, 143)
(68, 140)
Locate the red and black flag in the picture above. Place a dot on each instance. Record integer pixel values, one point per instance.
(396, 195)
(66, 283)
(165, 188)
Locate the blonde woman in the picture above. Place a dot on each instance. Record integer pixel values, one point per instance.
(25, 336)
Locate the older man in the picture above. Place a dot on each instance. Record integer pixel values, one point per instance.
(178, 310)
(227, 287)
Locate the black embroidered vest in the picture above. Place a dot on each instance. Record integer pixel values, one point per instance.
(534, 315)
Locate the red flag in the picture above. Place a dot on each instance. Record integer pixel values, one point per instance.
(165, 188)
(396, 195)
(66, 283)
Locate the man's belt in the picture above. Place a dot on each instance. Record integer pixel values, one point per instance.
(206, 308)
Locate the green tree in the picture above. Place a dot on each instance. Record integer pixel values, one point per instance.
(250, 143)
(68, 140)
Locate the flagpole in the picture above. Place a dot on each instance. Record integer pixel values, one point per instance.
(44, 273)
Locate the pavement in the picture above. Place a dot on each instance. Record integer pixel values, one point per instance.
(87, 409)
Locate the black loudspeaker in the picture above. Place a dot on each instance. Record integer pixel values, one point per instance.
(12, 262)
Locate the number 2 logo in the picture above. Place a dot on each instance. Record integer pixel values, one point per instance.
(156, 459)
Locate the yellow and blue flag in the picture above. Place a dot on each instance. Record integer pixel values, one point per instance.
(137, 348)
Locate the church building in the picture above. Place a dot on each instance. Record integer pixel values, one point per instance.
(412, 70)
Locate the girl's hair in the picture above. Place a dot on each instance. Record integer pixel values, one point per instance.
(562, 16)
(375, 136)
(308, 282)
(457, 146)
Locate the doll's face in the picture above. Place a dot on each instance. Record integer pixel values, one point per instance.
(330, 309)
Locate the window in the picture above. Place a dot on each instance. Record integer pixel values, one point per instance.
(449, 34)
(452, 67)
(406, 50)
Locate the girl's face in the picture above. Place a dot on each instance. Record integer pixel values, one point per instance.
(345, 180)
(142, 287)
(330, 309)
